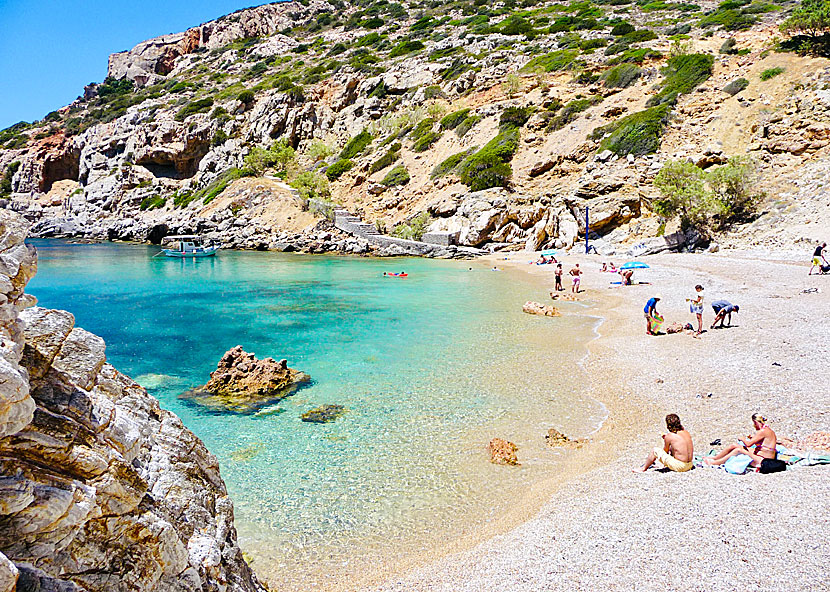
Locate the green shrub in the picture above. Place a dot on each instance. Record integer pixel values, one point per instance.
(218, 185)
(416, 228)
(371, 39)
(423, 128)
(515, 116)
(771, 73)
(635, 56)
(182, 199)
(280, 155)
(450, 164)
(199, 106)
(453, 120)
(387, 159)
(219, 138)
(515, 25)
(640, 35)
(246, 96)
(570, 112)
(432, 92)
(397, 176)
(336, 170)
(6, 181)
(465, 126)
(809, 24)
(682, 74)
(318, 150)
(423, 143)
(621, 29)
(728, 47)
(730, 19)
(621, 76)
(550, 62)
(489, 167)
(114, 86)
(637, 134)
(152, 203)
(590, 44)
(311, 186)
(356, 145)
(405, 47)
(736, 86)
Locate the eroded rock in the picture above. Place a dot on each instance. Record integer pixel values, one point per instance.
(556, 439)
(537, 308)
(502, 452)
(323, 414)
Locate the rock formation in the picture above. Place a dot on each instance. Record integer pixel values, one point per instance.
(241, 383)
(100, 488)
(323, 414)
(556, 439)
(536, 308)
(502, 452)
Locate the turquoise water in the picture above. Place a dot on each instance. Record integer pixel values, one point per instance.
(429, 368)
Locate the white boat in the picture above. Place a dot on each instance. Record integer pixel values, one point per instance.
(187, 245)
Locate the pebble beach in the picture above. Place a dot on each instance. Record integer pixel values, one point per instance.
(611, 529)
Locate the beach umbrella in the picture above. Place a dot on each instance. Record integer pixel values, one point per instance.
(549, 253)
(634, 265)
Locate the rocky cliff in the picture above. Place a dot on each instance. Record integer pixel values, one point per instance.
(100, 488)
(252, 128)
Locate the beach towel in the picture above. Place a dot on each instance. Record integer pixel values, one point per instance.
(738, 464)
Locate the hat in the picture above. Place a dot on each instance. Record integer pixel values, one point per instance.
(658, 296)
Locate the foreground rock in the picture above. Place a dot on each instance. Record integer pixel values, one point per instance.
(556, 439)
(502, 452)
(323, 414)
(241, 383)
(537, 308)
(100, 488)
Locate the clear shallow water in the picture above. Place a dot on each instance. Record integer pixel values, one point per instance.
(429, 367)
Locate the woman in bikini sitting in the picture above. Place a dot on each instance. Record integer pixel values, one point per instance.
(757, 447)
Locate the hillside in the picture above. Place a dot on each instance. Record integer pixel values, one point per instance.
(499, 122)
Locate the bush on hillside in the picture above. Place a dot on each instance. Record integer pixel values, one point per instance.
(336, 170)
(406, 47)
(311, 186)
(771, 73)
(728, 47)
(199, 106)
(387, 159)
(489, 167)
(562, 59)
(416, 228)
(682, 74)
(621, 29)
(570, 112)
(449, 165)
(280, 155)
(6, 180)
(621, 76)
(452, 120)
(218, 185)
(423, 143)
(153, 202)
(637, 134)
(397, 176)
(356, 145)
(736, 86)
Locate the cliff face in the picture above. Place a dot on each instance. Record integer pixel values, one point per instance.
(100, 488)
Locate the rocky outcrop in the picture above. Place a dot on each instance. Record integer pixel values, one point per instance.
(242, 383)
(323, 414)
(502, 452)
(100, 488)
(556, 439)
(536, 308)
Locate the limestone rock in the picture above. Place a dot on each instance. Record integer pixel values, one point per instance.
(323, 414)
(502, 452)
(536, 308)
(556, 439)
(242, 383)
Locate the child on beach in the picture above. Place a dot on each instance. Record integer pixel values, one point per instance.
(696, 307)
(558, 275)
(575, 272)
(677, 451)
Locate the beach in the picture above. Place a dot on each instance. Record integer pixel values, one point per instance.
(702, 530)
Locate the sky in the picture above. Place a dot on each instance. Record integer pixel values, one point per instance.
(50, 49)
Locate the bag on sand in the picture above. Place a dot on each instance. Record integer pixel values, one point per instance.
(772, 465)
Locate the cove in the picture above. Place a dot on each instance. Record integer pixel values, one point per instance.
(429, 368)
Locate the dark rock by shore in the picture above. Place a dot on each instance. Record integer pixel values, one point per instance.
(323, 414)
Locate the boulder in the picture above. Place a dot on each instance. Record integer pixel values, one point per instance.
(537, 308)
(323, 414)
(556, 439)
(502, 452)
(242, 383)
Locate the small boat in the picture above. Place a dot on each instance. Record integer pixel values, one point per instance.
(398, 275)
(187, 245)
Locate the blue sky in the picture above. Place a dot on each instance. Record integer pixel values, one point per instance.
(50, 49)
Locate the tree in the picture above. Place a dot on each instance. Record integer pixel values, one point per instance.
(684, 191)
(732, 186)
(812, 19)
(280, 156)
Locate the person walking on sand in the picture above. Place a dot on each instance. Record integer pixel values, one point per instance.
(762, 443)
(653, 319)
(723, 309)
(575, 272)
(696, 307)
(677, 451)
(558, 275)
(818, 257)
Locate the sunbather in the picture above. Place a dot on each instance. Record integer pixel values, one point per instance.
(758, 447)
(677, 451)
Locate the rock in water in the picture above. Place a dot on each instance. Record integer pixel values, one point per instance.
(556, 439)
(242, 384)
(502, 452)
(537, 308)
(323, 414)
(100, 489)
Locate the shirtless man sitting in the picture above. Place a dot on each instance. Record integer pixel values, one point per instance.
(677, 451)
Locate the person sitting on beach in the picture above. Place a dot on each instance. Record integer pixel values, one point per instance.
(762, 445)
(575, 272)
(723, 309)
(677, 451)
(818, 257)
(612, 268)
(604, 266)
(652, 317)
(626, 275)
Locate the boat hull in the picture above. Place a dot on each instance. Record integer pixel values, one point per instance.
(209, 252)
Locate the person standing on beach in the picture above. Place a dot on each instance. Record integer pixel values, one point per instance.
(696, 307)
(818, 257)
(575, 272)
(558, 275)
(653, 318)
(723, 308)
(677, 451)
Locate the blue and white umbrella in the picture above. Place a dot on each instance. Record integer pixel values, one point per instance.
(634, 265)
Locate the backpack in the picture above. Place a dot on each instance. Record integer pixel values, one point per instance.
(772, 465)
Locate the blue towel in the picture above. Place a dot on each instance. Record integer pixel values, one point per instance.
(737, 464)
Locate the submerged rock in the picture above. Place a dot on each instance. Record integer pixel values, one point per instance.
(556, 439)
(502, 452)
(537, 308)
(241, 383)
(323, 414)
